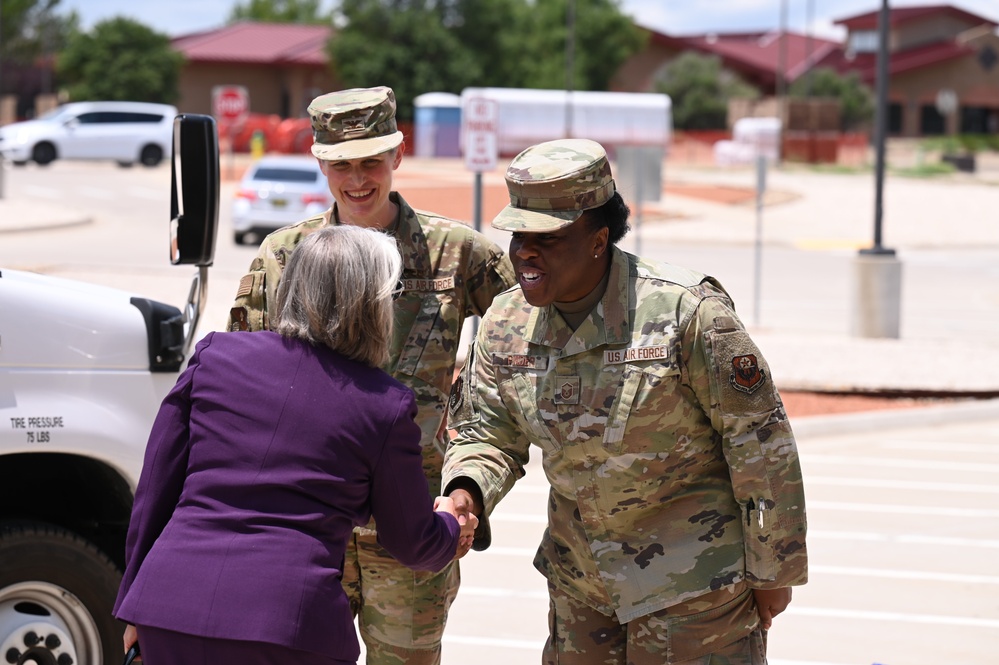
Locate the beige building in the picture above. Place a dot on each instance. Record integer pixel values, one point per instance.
(283, 66)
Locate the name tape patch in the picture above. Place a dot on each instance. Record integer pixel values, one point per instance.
(442, 284)
(660, 352)
(517, 360)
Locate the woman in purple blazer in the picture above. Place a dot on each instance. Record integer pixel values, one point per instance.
(270, 449)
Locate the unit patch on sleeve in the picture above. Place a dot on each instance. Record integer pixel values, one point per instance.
(746, 375)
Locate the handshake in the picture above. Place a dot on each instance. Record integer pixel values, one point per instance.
(466, 519)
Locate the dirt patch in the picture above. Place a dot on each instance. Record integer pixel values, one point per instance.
(727, 194)
(800, 404)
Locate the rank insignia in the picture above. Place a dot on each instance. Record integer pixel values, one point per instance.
(747, 376)
(567, 390)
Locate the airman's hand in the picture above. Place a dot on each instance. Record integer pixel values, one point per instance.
(770, 603)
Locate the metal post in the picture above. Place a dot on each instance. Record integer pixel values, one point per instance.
(761, 186)
(878, 272)
(477, 225)
(880, 125)
(809, 10)
(781, 83)
(1, 98)
(570, 65)
(639, 198)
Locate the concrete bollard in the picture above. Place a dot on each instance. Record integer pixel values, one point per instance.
(877, 295)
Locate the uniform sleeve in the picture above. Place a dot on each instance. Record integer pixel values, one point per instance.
(489, 449)
(257, 291)
(734, 386)
(164, 470)
(489, 274)
(408, 527)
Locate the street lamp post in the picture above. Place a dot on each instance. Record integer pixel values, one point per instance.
(878, 272)
(570, 65)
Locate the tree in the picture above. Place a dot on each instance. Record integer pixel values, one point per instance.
(699, 89)
(281, 11)
(418, 46)
(856, 99)
(31, 28)
(603, 37)
(121, 59)
(403, 44)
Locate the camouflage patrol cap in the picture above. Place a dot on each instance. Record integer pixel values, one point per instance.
(551, 184)
(355, 123)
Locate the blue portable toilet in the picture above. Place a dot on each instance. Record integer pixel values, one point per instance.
(437, 125)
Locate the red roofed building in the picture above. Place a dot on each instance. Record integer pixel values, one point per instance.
(755, 56)
(283, 66)
(936, 53)
(931, 49)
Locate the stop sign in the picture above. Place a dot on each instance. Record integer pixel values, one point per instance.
(230, 103)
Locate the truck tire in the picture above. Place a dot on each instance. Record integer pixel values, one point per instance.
(56, 595)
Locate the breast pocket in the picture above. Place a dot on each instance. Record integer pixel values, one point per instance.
(521, 394)
(647, 398)
(430, 347)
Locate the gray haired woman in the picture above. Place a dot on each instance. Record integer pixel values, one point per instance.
(268, 451)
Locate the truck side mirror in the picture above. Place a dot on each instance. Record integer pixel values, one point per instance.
(194, 190)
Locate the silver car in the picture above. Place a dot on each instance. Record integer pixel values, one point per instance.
(277, 191)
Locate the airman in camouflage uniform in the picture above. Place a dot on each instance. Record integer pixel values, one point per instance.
(449, 273)
(676, 515)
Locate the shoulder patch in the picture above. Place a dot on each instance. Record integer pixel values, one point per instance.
(747, 376)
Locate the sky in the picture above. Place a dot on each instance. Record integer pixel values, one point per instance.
(673, 17)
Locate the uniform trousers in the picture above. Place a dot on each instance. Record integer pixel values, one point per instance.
(166, 647)
(400, 612)
(718, 628)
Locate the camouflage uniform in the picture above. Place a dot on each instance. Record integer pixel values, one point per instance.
(675, 482)
(450, 272)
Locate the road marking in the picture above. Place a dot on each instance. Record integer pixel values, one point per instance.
(97, 193)
(535, 645)
(902, 539)
(885, 483)
(41, 192)
(811, 244)
(867, 615)
(932, 465)
(894, 574)
(943, 447)
(939, 511)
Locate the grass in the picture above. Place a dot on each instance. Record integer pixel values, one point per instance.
(928, 170)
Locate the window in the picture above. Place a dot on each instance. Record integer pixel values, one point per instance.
(286, 175)
(863, 41)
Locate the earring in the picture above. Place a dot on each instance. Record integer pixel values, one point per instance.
(596, 256)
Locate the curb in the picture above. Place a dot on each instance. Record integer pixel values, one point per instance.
(868, 421)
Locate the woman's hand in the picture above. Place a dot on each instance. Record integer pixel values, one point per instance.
(131, 637)
(467, 520)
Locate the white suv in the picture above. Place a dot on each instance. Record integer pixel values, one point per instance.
(125, 132)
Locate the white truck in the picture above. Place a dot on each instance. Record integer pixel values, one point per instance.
(83, 370)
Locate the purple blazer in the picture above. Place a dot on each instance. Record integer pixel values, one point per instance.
(262, 459)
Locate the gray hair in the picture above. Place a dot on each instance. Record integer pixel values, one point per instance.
(337, 291)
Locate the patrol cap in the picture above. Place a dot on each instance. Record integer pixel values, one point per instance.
(552, 183)
(354, 123)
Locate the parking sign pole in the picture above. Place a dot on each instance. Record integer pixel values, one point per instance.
(478, 133)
